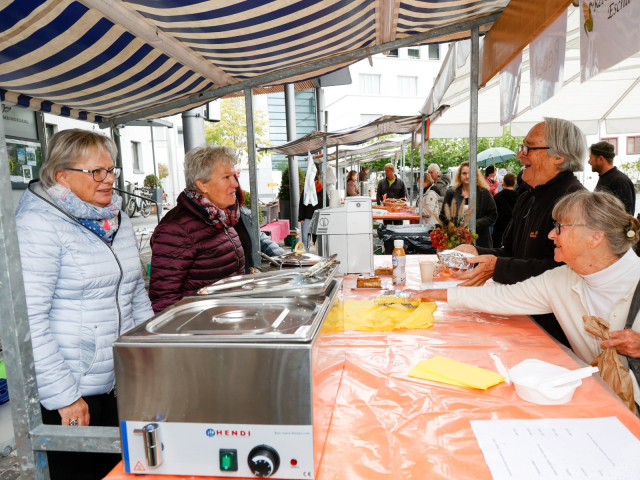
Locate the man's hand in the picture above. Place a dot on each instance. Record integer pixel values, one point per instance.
(431, 295)
(627, 342)
(301, 222)
(467, 249)
(78, 410)
(485, 266)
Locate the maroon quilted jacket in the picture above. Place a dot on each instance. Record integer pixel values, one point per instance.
(190, 253)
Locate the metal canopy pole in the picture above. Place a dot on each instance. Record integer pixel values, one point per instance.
(413, 139)
(253, 180)
(324, 172)
(294, 179)
(193, 128)
(115, 136)
(404, 176)
(153, 152)
(337, 171)
(473, 125)
(16, 336)
(424, 134)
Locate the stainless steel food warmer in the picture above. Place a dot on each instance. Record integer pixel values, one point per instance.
(229, 386)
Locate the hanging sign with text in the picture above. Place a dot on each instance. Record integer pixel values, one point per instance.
(510, 89)
(609, 33)
(546, 57)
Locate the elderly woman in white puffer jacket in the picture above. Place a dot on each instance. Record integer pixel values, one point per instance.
(84, 288)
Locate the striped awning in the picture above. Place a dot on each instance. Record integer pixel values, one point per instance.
(107, 60)
(355, 150)
(314, 141)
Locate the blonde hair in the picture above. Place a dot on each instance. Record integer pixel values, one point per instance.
(602, 212)
(200, 162)
(428, 178)
(482, 183)
(69, 147)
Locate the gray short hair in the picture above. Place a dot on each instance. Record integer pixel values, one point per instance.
(565, 140)
(68, 147)
(200, 163)
(602, 212)
(433, 167)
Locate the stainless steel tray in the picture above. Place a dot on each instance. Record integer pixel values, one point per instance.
(210, 319)
(298, 259)
(279, 283)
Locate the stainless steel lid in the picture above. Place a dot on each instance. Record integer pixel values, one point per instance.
(299, 259)
(211, 319)
(278, 283)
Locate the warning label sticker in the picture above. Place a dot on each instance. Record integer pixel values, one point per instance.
(139, 467)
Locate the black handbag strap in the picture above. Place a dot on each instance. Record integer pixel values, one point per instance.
(634, 308)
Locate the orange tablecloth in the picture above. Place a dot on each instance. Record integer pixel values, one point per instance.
(387, 425)
(396, 216)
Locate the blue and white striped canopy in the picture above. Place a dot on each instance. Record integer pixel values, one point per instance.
(100, 59)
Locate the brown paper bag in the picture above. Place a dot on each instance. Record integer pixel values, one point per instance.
(611, 369)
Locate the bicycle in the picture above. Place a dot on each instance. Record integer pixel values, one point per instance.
(137, 204)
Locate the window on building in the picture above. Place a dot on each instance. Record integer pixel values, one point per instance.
(407, 86)
(51, 130)
(393, 53)
(434, 52)
(180, 139)
(413, 53)
(369, 84)
(633, 145)
(367, 118)
(613, 141)
(136, 155)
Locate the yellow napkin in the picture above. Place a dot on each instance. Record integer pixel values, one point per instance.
(363, 315)
(445, 370)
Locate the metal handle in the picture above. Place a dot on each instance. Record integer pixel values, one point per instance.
(152, 445)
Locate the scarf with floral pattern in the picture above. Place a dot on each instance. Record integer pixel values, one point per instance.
(220, 217)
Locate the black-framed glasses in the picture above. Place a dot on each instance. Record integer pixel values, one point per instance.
(525, 150)
(99, 174)
(558, 226)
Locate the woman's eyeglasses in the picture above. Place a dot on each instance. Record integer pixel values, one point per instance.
(100, 174)
(558, 226)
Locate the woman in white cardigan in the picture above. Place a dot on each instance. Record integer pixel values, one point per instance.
(593, 236)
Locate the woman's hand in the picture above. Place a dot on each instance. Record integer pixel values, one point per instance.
(627, 342)
(485, 266)
(431, 295)
(78, 410)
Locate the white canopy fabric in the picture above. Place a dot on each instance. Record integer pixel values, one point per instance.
(613, 96)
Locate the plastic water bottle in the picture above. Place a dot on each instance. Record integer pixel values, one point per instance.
(399, 262)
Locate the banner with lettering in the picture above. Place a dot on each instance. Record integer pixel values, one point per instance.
(609, 33)
(510, 89)
(546, 60)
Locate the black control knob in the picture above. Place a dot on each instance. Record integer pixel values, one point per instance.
(264, 461)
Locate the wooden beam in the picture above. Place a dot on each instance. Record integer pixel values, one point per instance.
(520, 22)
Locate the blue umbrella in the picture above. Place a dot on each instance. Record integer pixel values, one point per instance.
(494, 155)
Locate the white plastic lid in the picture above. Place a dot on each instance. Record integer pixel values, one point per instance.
(398, 243)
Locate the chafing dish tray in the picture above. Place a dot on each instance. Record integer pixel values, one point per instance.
(278, 283)
(218, 319)
(298, 259)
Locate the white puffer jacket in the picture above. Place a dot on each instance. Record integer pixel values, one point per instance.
(81, 294)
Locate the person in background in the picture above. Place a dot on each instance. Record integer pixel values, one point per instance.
(551, 152)
(521, 185)
(363, 176)
(505, 201)
(353, 189)
(431, 201)
(442, 182)
(305, 212)
(611, 179)
(490, 178)
(83, 286)
(196, 243)
(243, 229)
(593, 235)
(457, 200)
(391, 186)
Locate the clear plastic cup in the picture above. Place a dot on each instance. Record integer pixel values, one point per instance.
(427, 268)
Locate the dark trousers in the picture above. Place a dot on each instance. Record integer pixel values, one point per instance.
(84, 465)
(393, 222)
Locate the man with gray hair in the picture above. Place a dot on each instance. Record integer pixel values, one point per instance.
(551, 152)
(441, 182)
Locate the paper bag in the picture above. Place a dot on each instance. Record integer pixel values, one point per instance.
(611, 369)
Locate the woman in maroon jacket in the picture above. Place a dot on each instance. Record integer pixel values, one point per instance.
(195, 244)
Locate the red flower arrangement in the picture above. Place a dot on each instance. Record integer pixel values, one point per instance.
(454, 230)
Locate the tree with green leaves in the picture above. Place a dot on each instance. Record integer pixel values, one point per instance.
(285, 193)
(231, 130)
(163, 171)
